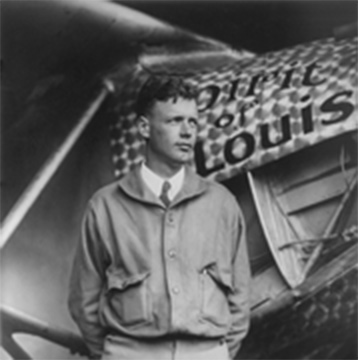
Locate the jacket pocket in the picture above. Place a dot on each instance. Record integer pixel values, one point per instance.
(214, 288)
(129, 298)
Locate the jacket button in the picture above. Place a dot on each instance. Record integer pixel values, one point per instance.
(171, 254)
(175, 290)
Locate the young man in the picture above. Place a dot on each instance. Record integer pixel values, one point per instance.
(162, 270)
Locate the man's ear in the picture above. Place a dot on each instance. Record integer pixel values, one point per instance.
(143, 126)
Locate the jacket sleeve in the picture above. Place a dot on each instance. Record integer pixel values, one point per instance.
(239, 298)
(87, 281)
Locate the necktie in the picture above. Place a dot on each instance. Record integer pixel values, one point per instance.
(164, 195)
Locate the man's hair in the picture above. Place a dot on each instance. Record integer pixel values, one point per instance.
(163, 88)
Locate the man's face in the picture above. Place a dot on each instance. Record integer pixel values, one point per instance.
(171, 129)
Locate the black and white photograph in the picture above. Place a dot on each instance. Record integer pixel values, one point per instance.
(179, 179)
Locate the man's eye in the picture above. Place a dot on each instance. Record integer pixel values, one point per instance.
(174, 121)
(193, 122)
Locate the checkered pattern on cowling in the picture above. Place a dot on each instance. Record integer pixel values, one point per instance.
(335, 72)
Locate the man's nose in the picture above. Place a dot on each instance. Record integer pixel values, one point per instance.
(185, 129)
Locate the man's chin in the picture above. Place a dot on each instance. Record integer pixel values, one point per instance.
(185, 159)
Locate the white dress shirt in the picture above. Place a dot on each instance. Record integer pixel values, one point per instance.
(155, 182)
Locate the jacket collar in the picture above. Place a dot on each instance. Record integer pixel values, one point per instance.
(133, 185)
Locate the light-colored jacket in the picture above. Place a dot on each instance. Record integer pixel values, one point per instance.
(148, 271)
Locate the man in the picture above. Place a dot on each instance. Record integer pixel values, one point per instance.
(162, 270)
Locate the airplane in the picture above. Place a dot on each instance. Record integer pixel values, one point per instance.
(277, 127)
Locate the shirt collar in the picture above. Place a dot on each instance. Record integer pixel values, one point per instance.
(155, 182)
(133, 185)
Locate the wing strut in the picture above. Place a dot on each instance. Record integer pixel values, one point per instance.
(44, 175)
